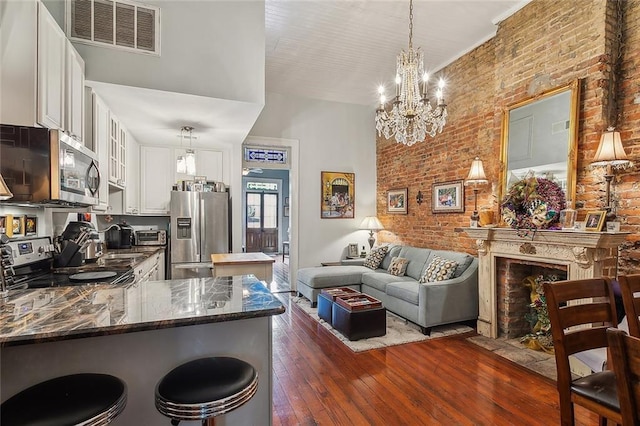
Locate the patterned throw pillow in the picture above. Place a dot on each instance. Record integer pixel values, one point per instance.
(398, 266)
(438, 270)
(375, 256)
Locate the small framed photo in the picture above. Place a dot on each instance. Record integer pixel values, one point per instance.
(31, 225)
(447, 197)
(397, 201)
(286, 211)
(613, 226)
(594, 220)
(353, 250)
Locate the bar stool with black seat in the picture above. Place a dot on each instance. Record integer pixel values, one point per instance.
(580, 311)
(205, 388)
(89, 399)
(625, 358)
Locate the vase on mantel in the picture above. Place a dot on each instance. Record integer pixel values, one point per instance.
(568, 216)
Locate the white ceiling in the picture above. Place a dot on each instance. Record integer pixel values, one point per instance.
(338, 51)
(343, 50)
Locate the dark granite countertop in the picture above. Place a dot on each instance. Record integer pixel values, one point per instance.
(60, 313)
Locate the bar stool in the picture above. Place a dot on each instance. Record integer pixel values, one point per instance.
(88, 399)
(205, 388)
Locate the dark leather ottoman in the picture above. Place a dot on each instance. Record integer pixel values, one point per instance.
(359, 324)
(325, 303)
(326, 299)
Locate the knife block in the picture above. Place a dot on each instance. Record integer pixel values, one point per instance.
(70, 256)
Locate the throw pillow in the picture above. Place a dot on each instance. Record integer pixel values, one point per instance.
(398, 266)
(438, 270)
(375, 256)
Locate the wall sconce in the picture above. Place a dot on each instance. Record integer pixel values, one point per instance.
(419, 197)
(372, 224)
(610, 154)
(476, 178)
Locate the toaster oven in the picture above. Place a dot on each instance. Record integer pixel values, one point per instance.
(150, 237)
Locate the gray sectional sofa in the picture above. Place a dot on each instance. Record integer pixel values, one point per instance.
(425, 304)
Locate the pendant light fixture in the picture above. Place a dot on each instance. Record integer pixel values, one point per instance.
(186, 163)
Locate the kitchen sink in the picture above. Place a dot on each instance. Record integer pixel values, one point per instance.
(123, 255)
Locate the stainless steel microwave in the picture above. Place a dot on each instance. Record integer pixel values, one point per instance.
(42, 166)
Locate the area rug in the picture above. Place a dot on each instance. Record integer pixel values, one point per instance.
(399, 330)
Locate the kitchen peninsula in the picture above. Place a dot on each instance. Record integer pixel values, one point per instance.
(50, 332)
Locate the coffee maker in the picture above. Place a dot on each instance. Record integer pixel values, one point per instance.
(119, 236)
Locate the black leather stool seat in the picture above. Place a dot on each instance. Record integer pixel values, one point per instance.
(206, 388)
(77, 399)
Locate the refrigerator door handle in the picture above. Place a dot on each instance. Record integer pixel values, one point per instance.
(203, 226)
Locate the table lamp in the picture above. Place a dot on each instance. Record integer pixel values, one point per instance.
(610, 154)
(372, 224)
(476, 178)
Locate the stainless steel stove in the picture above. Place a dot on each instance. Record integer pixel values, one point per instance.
(28, 263)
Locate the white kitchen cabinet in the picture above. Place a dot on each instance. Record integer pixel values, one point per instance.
(74, 93)
(132, 189)
(41, 74)
(117, 152)
(157, 167)
(209, 164)
(51, 49)
(97, 121)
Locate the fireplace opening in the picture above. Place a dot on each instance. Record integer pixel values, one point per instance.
(514, 296)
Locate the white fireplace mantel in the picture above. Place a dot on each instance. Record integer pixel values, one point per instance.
(584, 254)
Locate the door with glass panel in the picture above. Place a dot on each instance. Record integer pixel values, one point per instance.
(262, 222)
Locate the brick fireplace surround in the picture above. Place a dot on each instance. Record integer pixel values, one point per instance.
(580, 254)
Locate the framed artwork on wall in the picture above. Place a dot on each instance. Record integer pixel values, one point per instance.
(397, 201)
(18, 226)
(594, 220)
(338, 195)
(30, 225)
(447, 197)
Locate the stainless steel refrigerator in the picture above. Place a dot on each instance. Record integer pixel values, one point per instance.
(199, 228)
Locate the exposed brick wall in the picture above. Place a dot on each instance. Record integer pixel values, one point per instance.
(513, 297)
(544, 45)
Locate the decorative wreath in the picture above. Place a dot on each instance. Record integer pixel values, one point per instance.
(533, 203)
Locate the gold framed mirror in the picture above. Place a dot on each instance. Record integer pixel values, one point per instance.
(540, 135)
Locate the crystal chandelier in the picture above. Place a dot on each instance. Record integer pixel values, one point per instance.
(410, 117)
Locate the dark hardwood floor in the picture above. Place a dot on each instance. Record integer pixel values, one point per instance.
(448, 381)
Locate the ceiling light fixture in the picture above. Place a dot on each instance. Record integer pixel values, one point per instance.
(410, 117)
(186, 163)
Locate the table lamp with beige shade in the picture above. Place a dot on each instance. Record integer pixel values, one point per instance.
(372, 224)
(476, 178)
(610, 154)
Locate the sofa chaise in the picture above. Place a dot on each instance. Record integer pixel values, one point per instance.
(422, 294)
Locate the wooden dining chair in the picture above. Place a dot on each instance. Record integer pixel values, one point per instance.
(625, 359)
(629, 285)
(580, 312)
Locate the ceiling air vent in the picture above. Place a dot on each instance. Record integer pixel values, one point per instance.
(126, 25)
